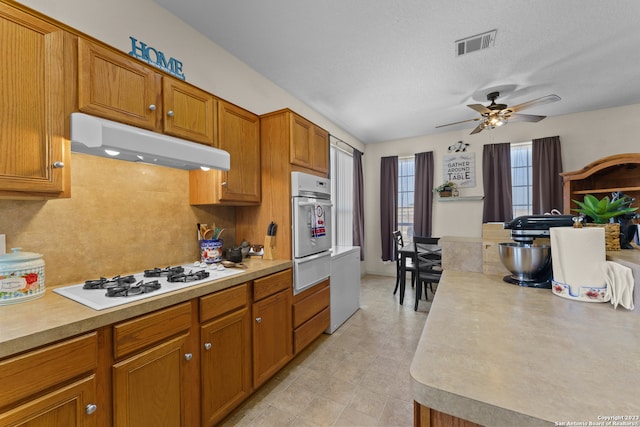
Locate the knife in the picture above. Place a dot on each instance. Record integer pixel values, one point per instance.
(271, 230)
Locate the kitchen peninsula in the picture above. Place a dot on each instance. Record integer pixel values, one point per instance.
(496, 354)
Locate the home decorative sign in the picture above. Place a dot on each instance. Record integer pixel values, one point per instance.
(459, 168)
(156, 58)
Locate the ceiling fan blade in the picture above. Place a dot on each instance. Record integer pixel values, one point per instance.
(479, 108)
(478, 128)
(457, 123)
(534, 102)
(525, 118)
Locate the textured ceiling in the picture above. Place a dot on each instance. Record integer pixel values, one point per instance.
(387, 69)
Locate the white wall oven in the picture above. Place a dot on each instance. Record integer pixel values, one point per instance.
(311, 234)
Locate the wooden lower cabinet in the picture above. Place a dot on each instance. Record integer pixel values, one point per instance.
(69, 406)
(148, 388)
(226, 364)
(152, 385)
(311, 315)
(427, 417)
(51, 386)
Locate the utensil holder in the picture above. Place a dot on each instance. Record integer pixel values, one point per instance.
(269, 247)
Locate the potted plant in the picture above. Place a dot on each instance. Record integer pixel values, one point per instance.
(445, 189)
(602, 211)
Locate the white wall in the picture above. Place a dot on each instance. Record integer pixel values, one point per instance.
(585, 137)
(205, 64)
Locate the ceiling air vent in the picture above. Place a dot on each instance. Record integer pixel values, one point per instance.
(474, 43)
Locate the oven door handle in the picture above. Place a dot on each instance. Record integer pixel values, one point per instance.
(313, 257)
(314, 204)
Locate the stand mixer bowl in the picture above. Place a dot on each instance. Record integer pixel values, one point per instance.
(528, 263)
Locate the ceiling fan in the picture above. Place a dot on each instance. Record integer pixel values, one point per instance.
(494, 115)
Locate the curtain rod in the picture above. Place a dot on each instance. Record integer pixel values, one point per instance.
(345, 143)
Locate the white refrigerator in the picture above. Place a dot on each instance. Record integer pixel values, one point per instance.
(345, 284)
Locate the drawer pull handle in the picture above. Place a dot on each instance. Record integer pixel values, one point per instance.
(259, 319)
(207, 346)
(91, 408)
(188, 356)
(58, 165)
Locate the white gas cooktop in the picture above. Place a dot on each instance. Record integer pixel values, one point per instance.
(97, 299)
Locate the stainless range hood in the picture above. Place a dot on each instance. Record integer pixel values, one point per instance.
(105, 138)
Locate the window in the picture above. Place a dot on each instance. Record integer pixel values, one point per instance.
(406, 186)
(341, 197)
(521, 179)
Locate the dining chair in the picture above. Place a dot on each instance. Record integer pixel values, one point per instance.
(428, 265)
(409, 264)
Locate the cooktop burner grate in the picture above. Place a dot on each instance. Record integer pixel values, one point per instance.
(168, 271)
(191, 276)
(104, 283)
(127, 290)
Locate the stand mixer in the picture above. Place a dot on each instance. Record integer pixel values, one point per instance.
(530, 265)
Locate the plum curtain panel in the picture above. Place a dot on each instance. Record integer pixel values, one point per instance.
(423, 197)
(496, 176)
(358, 202)
(546, 185)
(388, 204)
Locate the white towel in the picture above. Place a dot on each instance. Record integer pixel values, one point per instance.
(318, 228)
(577, 255)
(619, 280)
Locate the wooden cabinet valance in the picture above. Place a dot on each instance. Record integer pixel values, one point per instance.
(619, 172)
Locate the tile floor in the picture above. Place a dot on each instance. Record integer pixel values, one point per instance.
(358, 376)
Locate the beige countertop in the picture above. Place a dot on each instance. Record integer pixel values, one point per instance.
(53, 317)
(503, 355)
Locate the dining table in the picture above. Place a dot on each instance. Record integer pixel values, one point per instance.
(409, 251)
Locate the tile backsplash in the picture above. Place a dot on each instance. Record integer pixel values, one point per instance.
(121, 218)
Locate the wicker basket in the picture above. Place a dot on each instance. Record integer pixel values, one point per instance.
(445, 194)
(611, 235)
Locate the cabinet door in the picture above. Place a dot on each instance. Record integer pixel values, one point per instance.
(188, 111)
(117, 87)
(34, 61)
(72, 406)
(272, 335)
(320, 150)
(238, 133)
(149, 389)
(226, 365)
(300, 144)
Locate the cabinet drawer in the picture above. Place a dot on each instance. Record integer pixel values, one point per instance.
(309, 331)
(272, 284)
(310, 306)
(146, 330)
(223, 302)
(38, 370)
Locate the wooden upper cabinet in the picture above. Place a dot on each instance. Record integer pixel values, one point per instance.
(238, 132)
(320, 150)
(36, 75)
(116, 87)
(309, 145)
(189, 111)
(300, 143)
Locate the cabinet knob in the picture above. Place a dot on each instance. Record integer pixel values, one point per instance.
(259, 319)
(152, 107)
(223, 183)
(170, 113)
(188, 356)
(58, 165)
(90, 408)
(207, 346)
